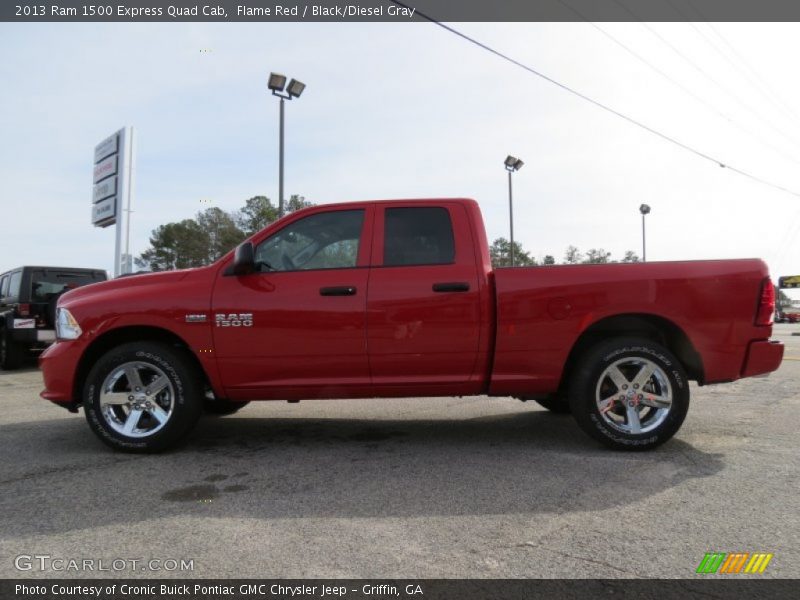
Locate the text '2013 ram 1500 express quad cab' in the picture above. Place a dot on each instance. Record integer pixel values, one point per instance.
(399, 299)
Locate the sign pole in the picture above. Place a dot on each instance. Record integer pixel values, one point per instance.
(128, 266)
(122, 161)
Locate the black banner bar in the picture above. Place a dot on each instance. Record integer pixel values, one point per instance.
(392, 589)
(405, 11)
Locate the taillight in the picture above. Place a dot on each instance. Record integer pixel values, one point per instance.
(24, 310)
(766, 303)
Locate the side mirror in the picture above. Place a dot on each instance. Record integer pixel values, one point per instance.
(244, 259)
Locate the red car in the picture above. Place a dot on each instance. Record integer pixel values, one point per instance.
(396, 299)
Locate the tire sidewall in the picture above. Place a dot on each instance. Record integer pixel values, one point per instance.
(582, 393)
(186, 407)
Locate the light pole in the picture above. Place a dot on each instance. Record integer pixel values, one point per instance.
(277, 83)
(512, 164)
(645, 210)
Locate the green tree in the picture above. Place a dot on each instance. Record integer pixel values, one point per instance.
(630, 257)
(572, 256)
(597, 256)
(500, 252)
(549, 259)
(179, 245)
(221, 232)
(296, 202)
(258, 212)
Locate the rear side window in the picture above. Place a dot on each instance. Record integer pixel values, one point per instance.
(418, 236)
(4, 286)
(45, 284)
(13, 284)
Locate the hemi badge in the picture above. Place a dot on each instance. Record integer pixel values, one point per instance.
(196, 318)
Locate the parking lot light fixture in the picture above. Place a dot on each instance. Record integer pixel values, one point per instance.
(295, 88)
(277, 84)
(645, 210)
(512, 163)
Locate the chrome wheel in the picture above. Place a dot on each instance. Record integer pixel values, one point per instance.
(137, 399)
(633, 395)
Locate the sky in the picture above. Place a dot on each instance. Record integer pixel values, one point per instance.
(412, 111)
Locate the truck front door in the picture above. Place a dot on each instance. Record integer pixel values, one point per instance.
(297, 328)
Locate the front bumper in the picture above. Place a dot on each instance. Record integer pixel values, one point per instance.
(763, 356)
(59, 364)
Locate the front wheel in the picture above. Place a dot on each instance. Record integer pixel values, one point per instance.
(630, 394)
(142, 397)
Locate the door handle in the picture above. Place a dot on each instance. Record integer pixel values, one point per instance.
(451, 286)
(343, 290)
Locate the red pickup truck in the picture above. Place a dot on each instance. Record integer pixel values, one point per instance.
(396, 299)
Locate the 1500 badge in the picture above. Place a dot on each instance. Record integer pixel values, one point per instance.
(234, 319)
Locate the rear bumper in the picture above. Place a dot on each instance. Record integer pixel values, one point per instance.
(59, 364)
(33, 336)
(763, 356)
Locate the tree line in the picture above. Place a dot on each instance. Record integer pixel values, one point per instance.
(213, 232)
(210, 234)
(500, 252)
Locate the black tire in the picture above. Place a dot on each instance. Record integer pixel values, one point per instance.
(591, 385)
(183, 396)
(555, 404)
(11, 354)
(221, 407)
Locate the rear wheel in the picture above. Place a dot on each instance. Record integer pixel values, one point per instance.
(630, 394)
(11, 354)
(142, 397)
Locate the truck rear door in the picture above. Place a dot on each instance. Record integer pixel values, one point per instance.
(423, 303)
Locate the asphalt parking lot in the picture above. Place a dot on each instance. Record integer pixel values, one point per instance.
(444, 487)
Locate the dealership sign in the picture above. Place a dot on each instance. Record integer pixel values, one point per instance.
(112, 190)
(790, 281)
(111, 167)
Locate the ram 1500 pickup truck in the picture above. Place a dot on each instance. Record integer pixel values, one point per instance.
(396, 299)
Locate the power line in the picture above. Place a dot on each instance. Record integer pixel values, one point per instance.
(706, 74)
(599, 104)
(680, 86)
(777, 100)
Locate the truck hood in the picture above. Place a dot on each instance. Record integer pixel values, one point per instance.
(126, 283)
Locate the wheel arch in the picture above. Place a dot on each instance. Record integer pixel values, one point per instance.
(648, 326)
(126, 334)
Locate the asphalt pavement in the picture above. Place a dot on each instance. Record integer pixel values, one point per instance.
(422, 488)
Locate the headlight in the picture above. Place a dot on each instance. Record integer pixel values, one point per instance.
(67, 327)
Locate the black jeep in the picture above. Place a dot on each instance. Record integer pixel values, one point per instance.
(28, 297)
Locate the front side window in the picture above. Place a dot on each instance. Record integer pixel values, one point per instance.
(322, 241)
(418, 236)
